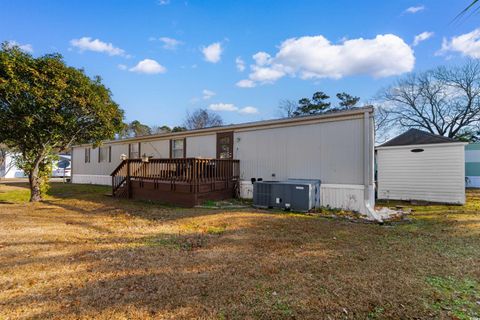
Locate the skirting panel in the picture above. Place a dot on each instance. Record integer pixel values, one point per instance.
(343, 196)
(92, 179)
(340, 196)
(180, 194)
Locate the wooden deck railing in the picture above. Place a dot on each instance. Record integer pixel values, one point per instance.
(191, 171)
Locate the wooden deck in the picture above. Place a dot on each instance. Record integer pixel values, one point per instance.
(183, 182)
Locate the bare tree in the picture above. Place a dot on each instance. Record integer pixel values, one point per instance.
(383, 128)
(444, 101)
(286, 108)
(202, 118)
(473, 7)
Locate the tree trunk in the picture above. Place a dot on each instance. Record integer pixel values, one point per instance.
(35, 190)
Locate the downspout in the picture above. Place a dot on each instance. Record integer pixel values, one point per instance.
(368, 167)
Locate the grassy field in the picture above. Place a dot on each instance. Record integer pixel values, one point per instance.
(82, 255)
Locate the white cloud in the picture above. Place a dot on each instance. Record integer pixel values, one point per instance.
(25, 47)
(223, 107)
(207, 94)
(163, 2)
(245, 83)
(232, 108)
(415, 9)
(267, 74)
(314, 57)
(170, 43)
(148, 66)
(213, 52)
(248, 110)
(422, 37)
(467, 44)
(122, 67)
(262, 58)
(240, 64)
(89, 44)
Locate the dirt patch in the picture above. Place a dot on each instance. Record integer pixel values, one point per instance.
(82, 255)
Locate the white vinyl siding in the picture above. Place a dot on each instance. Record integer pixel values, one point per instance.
(332, 152)
(437, 174)
(94, 167)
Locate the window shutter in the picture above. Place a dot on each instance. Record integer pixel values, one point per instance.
(171, 146)
(139, 150)
(98, 154)
(109, 153)
(129, 151)
(184, 147)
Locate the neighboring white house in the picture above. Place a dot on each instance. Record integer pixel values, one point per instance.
(337, 148)
(8, 170)
(418, 165)
(62, 167)
(472, 165)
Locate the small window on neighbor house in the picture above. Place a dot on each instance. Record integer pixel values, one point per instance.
(87, 155)
(134, 150)
(178, 148)
(104, 154)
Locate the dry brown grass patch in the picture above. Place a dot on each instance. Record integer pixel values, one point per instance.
(82, 255)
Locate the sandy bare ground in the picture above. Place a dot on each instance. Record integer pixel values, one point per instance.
(82, 255)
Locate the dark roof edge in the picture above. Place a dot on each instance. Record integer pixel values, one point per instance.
(408, 135)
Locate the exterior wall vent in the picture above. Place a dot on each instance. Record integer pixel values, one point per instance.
(417, 150)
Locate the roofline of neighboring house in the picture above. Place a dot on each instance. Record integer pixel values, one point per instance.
(410, 146)
(248, 125)
(425, 133)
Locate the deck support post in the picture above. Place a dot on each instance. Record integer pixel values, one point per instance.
(129, 187)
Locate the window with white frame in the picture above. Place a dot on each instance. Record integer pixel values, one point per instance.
(104, 154)
(178, 148)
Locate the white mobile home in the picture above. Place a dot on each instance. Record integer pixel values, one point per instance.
(337, 148)
(8, 169)
(418, 165)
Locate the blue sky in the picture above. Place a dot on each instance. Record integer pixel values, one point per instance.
(163, 58)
